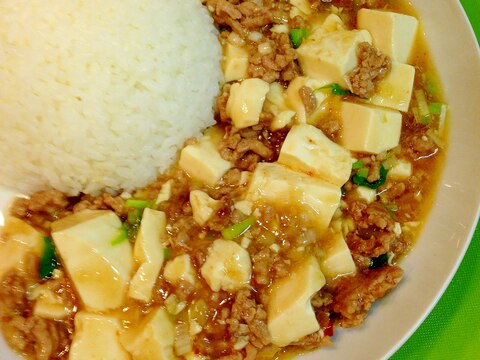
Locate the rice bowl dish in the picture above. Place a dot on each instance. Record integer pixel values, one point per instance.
(284, 192)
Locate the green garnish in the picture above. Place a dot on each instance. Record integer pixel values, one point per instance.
(378, 262)
(391, 207)
(167, 252)
(238, 229)
(49, 260)
(360, 178)
(357, 164)
(336, 89)
(435, 108)
(363, 172)
(134, 216)
(136, 204)
(121, 237)
(297, 36)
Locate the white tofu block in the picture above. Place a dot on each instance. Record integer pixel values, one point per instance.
(395, 90)
(329, 56)
(276, 184)
(148, 252)
(48, 305)
(179, 268)
(366, 194)
(203, 206)
(235, 62)
(228, 266)
(289, 312)
(300, 8)
(96, 338)
(331, 23)
(153, 339)
(337, 260)
(165, 192)
(18, 239)
(307, 149)
(394, 34)
(400, 171)
(294, 101)
(244, 206)
(99, 270)
(245, 102)
(203, 162)
(275, 103)
(370, 129)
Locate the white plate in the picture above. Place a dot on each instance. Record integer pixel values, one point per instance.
(433, 262)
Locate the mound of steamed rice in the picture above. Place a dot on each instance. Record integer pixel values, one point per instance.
(100, 95)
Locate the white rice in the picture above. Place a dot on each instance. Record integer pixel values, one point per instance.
(99, 95)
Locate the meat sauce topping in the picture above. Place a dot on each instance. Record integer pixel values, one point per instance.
(298, 204)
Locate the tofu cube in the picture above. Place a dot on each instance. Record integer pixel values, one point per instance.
(244, 206)
(99, 270)
(395, 90)
(337, 259)
(289, 312)
(96, 337)
(294, 100)
(394, 34)
(400, 171)
(17, 240)
(275, 103)
(366, 194)
(179, 268)
(276, 184)
(48, 304)
(329, 56)
(370, 129)
(165, 192)
(300, 8)
(148, 252)
(307, 149)
(228, 266)
(153, 339)
(203, 206)
(203, 162)
(235, 62)
(245, 102)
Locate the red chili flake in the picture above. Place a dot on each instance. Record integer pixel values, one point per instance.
(328, 331)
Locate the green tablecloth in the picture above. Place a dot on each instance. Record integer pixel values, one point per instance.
(452, 330)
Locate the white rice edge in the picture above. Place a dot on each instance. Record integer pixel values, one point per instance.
(100, 95)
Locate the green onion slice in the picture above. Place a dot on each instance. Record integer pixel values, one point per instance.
(435, 108)
(121, 237)
(167, 253)
(136, 204)
(358, 164)
(49, 261)
(238, 229)
(336, 89)
(360, 178)
(297, 36)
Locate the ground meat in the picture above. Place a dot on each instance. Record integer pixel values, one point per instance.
(308, 99)
(41, 208)
(245, 310)
(29, 334)
(104, 201)
(354, 295)
(372, 67)
(331, 128)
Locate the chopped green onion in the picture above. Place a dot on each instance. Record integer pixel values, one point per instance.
(167, 252)
(423, 109)
(391, 207)
(134, 216)
(121, 237)
(49, 260)
(357, 164)
(419, 118)
(378, 262)
(136, 204)
(435, 108)
(238, 229)
(361, 179)
(336, 89)
(363, 172)
(297, 36)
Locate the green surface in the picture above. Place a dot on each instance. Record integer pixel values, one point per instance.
(452, 330)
